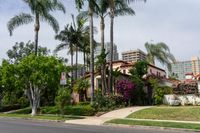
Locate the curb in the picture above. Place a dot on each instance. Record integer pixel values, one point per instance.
(17, 118)
(150, 127)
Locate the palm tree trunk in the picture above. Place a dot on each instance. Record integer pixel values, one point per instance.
(111, 51)
(76, 72)
(103, 76)
(72, 74)
(91, 53)
(37, 28)
(84, 65)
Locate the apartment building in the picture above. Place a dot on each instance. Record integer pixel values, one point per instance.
(133, 55)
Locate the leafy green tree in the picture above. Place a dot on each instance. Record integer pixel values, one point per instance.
(11, 90)
(1, 86)
(160, 52)
(21, 50)
(36, 73)
(138, 70)
(40, 11)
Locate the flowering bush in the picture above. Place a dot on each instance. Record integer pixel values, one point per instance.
(126, 89)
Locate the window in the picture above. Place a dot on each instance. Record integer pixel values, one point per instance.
(124, 71)
(150, 71)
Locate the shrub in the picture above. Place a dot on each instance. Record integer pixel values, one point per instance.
(126, 89)
(106, 103)
(83, 110)
(50, 110)
(86, 110)
(6, 108)
(62, 99)
(22, 111)
(83, 103)
(159, 91)
(23, 101)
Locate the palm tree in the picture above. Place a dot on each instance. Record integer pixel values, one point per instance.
(40, 10)
(73, 36)
(66, 38)
(160, 52)
(81, 32)
(117, 7)
(91, 5)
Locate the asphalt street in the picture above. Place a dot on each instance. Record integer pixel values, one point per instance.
(31, 126)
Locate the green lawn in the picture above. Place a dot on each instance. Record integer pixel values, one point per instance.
(41, 117)
(155, 123)
(187, 113)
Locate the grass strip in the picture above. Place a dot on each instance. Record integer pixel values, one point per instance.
(155, 123)
(182, 113)
(42, 117)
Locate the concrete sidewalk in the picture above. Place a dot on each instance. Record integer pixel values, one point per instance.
(120, 113)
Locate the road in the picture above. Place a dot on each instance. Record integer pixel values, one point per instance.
(30, 126)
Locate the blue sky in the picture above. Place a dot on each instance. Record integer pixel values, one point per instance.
(176, 23)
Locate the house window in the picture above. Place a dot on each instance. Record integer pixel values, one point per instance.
(157, 73)
(150, 71)
(124, 71)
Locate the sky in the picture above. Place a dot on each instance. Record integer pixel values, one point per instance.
(174, 22)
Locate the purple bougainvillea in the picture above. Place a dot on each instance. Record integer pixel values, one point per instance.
(126, 89)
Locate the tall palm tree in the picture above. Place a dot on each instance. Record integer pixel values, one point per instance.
(101, 11)
(160, 52)
(91, 5)
(81, 32)
(40, 11)
(73, 36)
(66, 38)
(117, 7)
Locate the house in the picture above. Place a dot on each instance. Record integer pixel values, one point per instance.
(125, 67)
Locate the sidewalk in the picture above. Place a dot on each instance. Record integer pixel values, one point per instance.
(120, 113)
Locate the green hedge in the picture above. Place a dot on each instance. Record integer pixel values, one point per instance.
(50, 110)
(83, 110)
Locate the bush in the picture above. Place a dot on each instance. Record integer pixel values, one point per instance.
(63, 98)
(6, 108)
(22, 111)
(106, 103)
(83, 110)
(83, 103)
(23, 101)
(50, 110)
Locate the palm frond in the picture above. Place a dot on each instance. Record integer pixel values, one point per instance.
(31, 4)
(52, 22)
(60, 47)
(19, 20)
(124, 11)
(57, 5)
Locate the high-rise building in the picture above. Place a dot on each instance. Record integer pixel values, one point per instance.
(133, 55)
(107, 48)
(184, 67)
